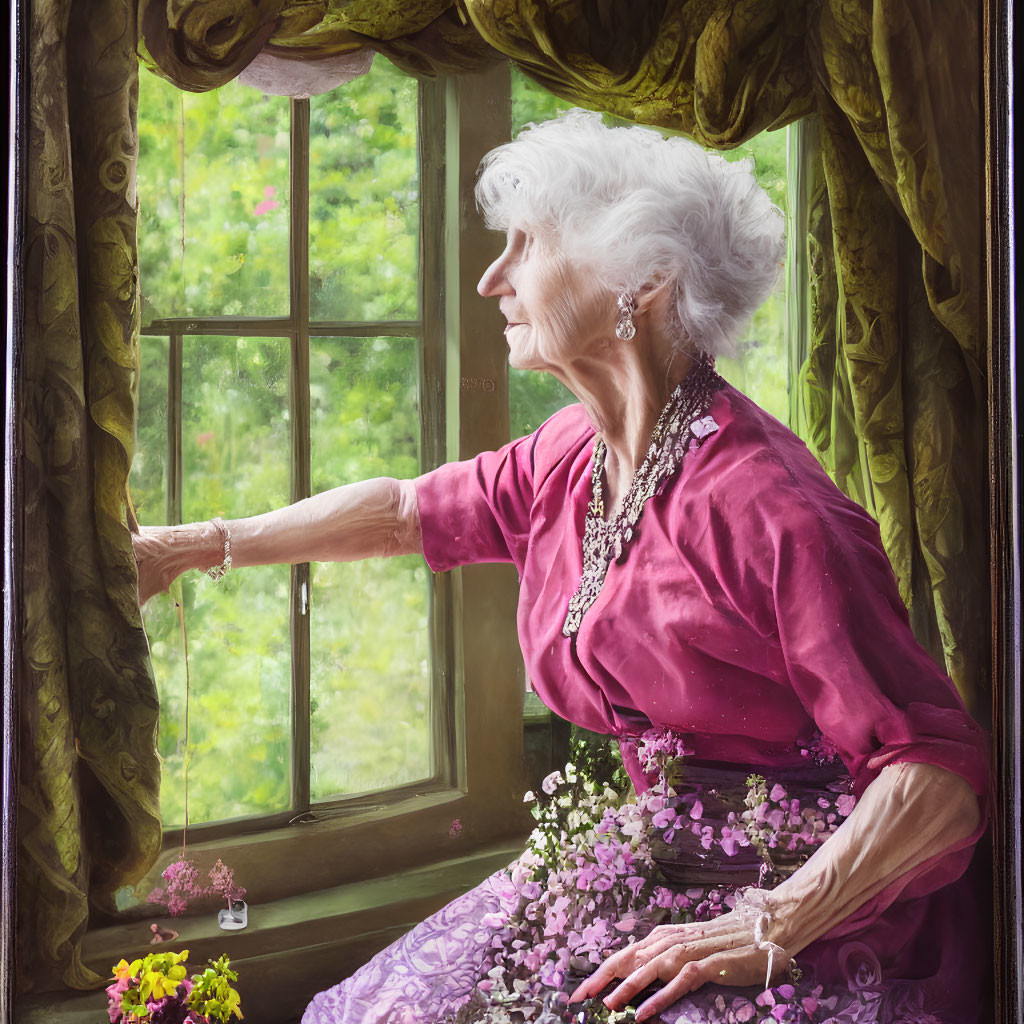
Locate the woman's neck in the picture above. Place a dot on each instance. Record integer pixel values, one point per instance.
(624, 393)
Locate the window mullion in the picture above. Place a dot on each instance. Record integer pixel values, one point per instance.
(298, 400)
(801, 150)
(175, 352)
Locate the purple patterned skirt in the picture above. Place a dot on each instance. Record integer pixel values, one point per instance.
(922, 961)
(432, 971)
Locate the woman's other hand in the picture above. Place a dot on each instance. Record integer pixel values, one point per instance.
(163, 553)
(685, 956)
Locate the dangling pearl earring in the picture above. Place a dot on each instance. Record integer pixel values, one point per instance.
(625, 329)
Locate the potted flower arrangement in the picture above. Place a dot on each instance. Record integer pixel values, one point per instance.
(182, 886)
(156, 990)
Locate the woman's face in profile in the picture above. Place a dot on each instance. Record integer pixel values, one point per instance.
(556, 311)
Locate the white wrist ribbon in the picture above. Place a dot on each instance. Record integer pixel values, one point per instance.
(753, 901)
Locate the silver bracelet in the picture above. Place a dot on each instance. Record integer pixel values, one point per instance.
(218, 572)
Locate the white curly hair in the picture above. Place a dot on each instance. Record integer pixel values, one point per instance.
(638, 209)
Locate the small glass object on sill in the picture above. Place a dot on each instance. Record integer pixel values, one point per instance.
(235, 917)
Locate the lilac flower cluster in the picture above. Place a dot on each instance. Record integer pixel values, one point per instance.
(588, 885)
(658, 748)
(778, 823)
(182, 878)
(821, 750)
(585, 886)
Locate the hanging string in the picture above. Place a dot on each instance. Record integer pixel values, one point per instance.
(179, 606)
(177, 596)
(181, 197)
(176, 590)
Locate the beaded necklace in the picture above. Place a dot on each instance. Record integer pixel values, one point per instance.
(683, 425)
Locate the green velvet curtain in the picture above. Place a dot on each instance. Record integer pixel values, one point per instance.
(893, 386)
(89, 819)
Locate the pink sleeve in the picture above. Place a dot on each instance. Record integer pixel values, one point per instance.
(855, 665)
(852, 658)
(478, 510)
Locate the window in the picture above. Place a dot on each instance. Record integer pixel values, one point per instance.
(285, 350)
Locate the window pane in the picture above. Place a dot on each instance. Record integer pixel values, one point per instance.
(532, 398)
(235, 463)
(213, 198)
(370, 657)
(364, 199)
(760, 368)
(236, 448)
(148, 479)
(532, 103)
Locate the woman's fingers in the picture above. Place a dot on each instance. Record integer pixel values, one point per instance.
(617, 965)
(746, 965)
(679, 961)
(644, 975)
(635, 956)
(688, 978)
(684, 967)
(684, 956)
(153, 556)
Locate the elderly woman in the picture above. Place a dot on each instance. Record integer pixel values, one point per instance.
(687, 565)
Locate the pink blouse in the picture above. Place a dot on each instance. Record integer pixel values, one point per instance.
(754, 607)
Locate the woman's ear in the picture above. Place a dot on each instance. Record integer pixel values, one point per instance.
(654, 298)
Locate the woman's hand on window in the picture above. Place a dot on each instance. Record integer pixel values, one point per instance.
(163, 553)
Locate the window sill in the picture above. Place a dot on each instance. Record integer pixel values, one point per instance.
(292, 948)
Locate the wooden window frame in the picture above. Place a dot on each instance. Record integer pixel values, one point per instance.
(463, 410)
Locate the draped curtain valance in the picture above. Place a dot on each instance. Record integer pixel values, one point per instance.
(893, 385)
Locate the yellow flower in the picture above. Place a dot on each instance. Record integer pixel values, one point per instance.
(122, 970)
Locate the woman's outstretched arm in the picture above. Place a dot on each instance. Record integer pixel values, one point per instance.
(372, 518)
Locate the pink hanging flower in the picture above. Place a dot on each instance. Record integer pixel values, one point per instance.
(222, 882)
(266, 204)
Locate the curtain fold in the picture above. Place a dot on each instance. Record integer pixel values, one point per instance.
(88, 818)
(897, 88)
(894, 388)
